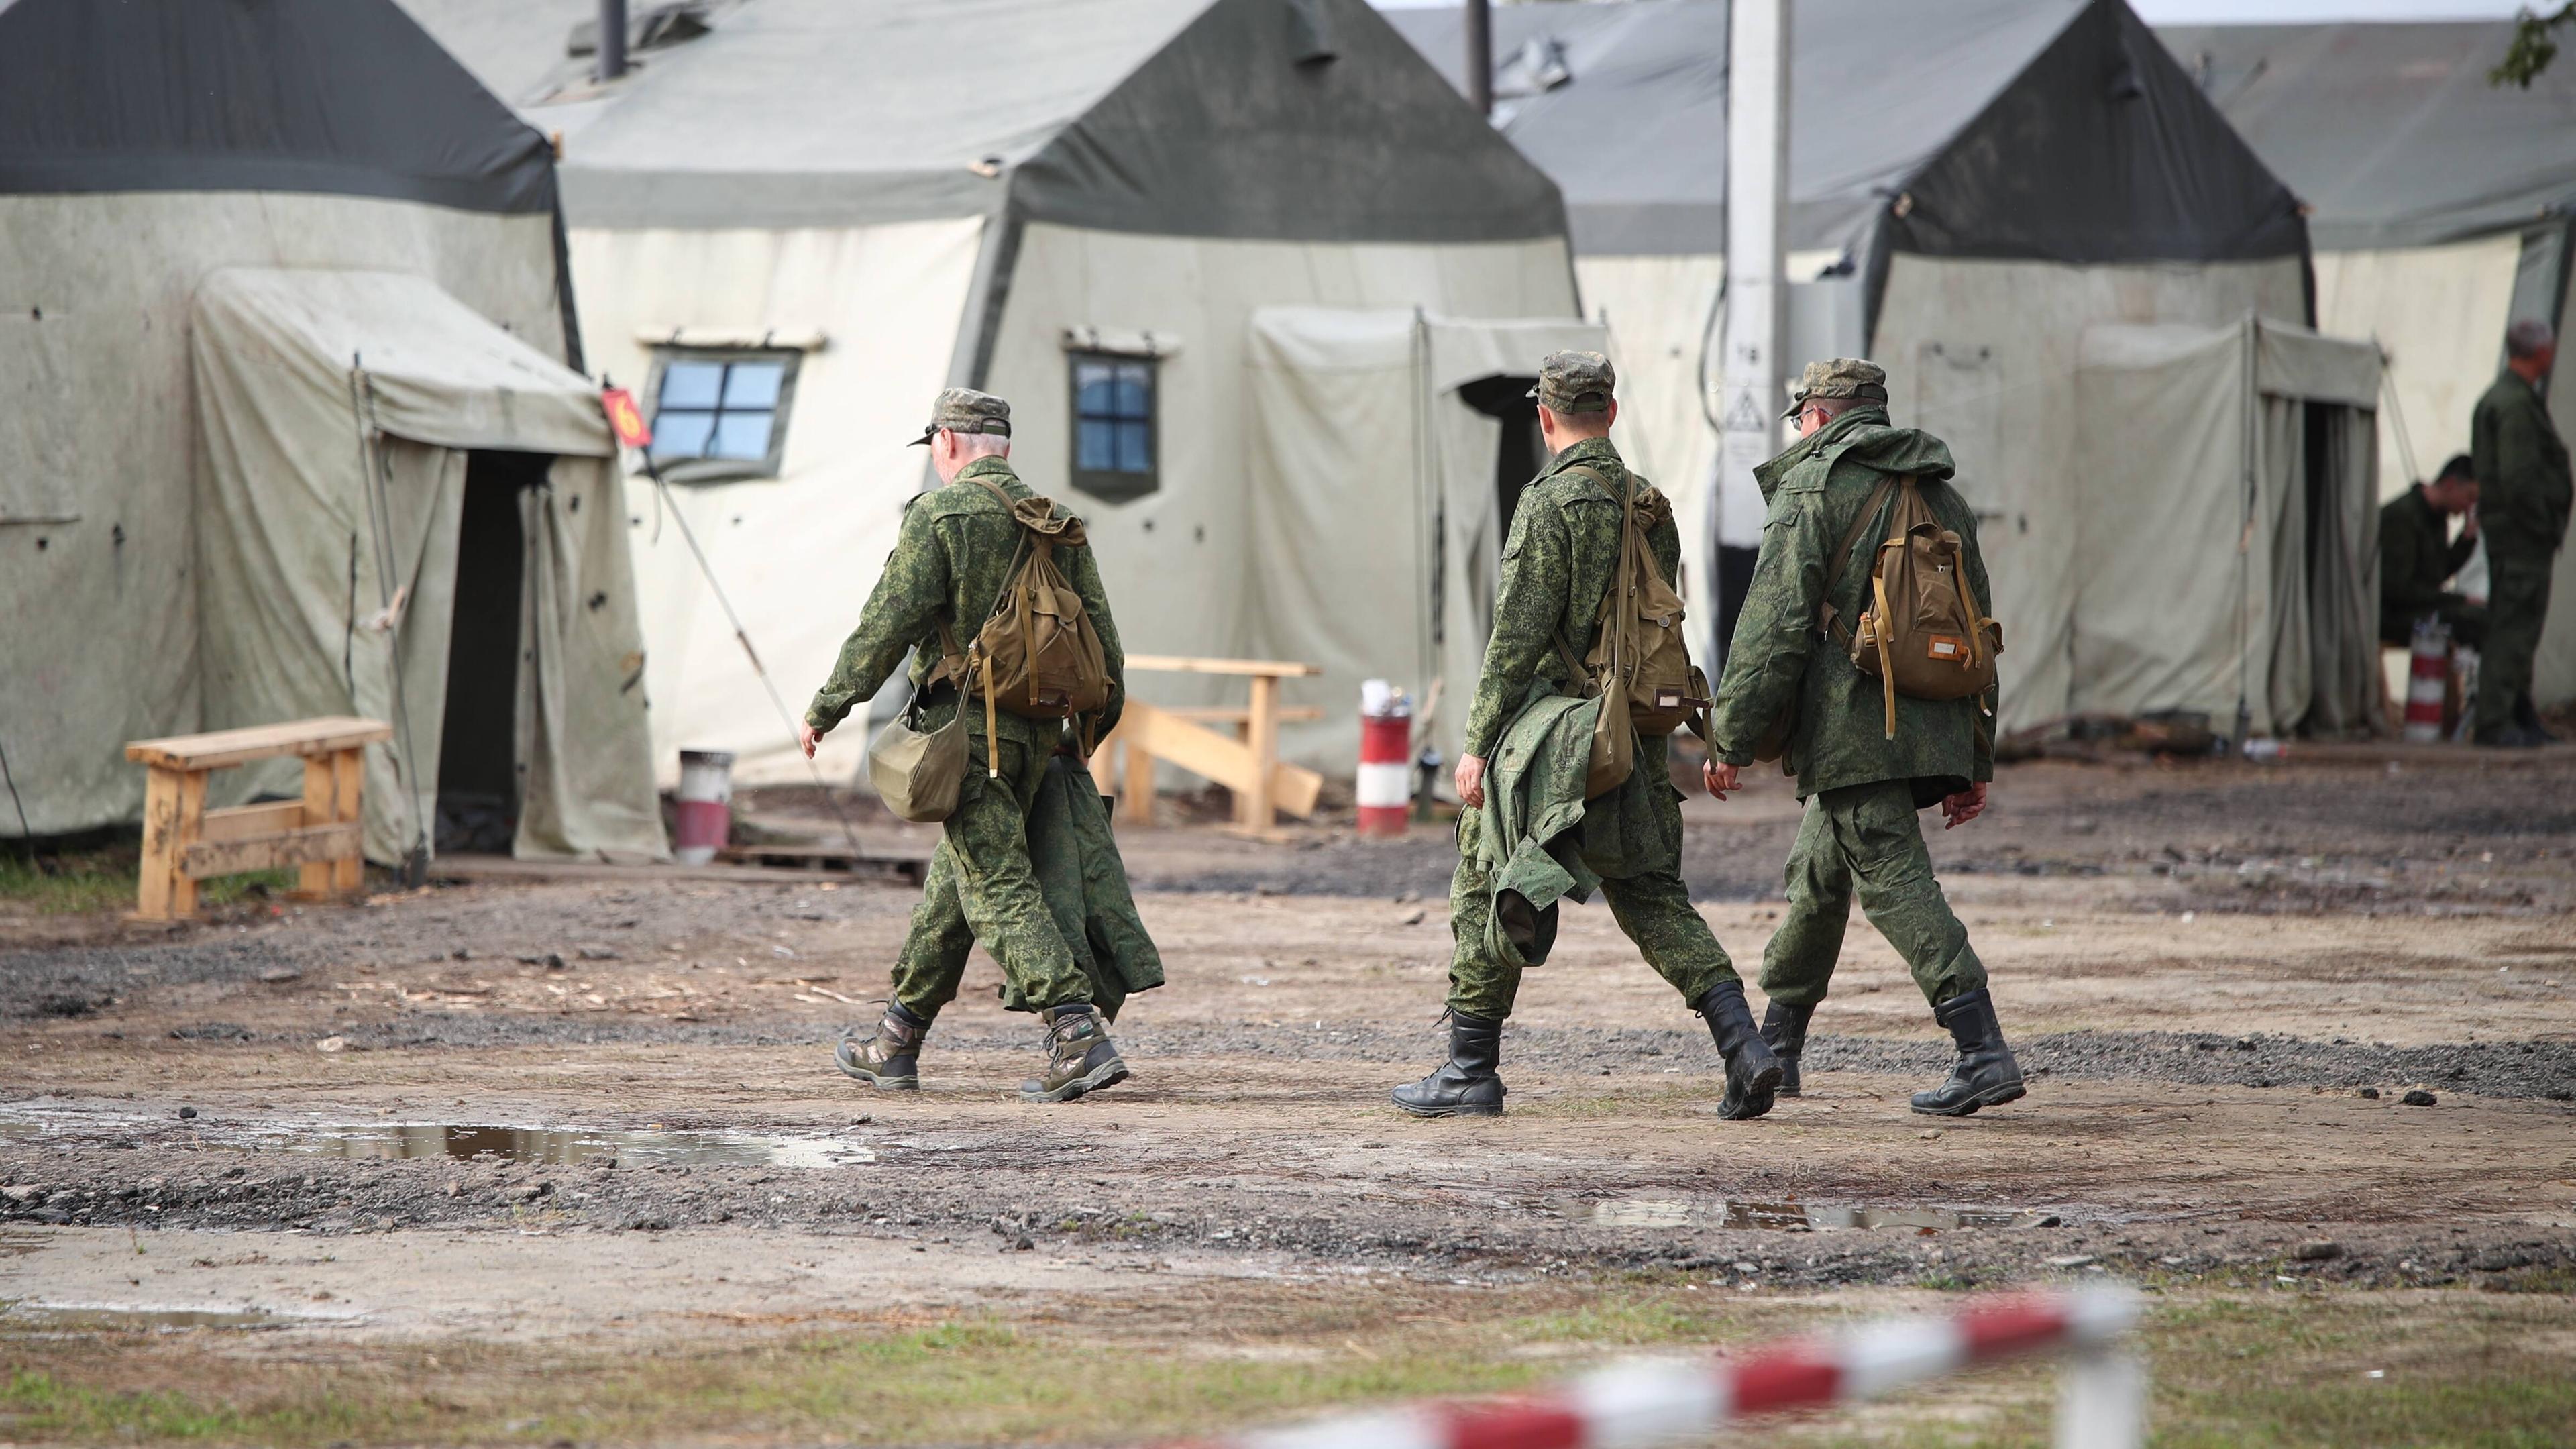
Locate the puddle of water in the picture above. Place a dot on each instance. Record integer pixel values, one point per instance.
(1795, 1217)
(564, 1145)
(97, 1317)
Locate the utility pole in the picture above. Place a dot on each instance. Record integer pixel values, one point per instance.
(1480, 56)
(1749, 395)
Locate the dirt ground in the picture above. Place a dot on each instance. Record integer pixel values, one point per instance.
(598, 1118)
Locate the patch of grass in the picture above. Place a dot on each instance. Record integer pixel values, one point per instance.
(2459, 1368)
(103, 879)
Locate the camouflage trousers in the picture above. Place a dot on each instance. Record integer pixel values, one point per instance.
(1865, 840)
(2517, 603)
(1653, 908)
(982, 886)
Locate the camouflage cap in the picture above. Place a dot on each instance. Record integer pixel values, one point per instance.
(1575, 382)
(964, 410)
(1839, 377)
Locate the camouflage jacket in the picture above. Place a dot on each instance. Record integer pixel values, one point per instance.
(2523, 485)
(2417, 555)
(1780, 659)
(1557, 565)
(950, 562)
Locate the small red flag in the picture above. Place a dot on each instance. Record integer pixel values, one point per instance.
(624, 418)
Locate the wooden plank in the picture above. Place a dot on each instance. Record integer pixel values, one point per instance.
(1188, 664)
(244, 821)
(348, 774)
(1293, 788)
(1264, 744)
(1240, 713)
(328, 844)
(223, 748)
(189, 823)
(160, 868)
(1136, 805)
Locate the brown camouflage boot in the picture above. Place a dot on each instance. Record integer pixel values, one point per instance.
(890, 1061)
(1080, 1057)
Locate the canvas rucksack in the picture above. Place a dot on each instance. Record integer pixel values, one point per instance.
(1921, 633)
(1039, 654)
(1639, 664)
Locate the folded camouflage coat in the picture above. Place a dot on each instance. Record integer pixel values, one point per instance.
(1540, 841)
(1085, 883)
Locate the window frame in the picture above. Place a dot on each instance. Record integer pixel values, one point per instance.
(726, 470)
(1112, 485)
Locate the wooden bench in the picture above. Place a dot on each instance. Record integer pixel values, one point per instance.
(1248, 764)
(184, 842)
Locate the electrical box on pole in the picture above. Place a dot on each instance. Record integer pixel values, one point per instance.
(1751, 368)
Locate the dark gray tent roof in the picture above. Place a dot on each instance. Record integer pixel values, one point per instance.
(2052, 129)
(339, 96)
(1291, 119)
(2392, 132)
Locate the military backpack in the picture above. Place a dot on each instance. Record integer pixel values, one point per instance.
(1921, 632)
(1639, 665)
(1039, 654)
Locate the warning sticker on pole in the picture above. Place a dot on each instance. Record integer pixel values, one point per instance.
(624, 418)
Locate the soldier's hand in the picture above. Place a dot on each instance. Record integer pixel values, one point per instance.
(807, 738)
(1967, 805)
(2469, 524)
(1471, 782)
(1720, 777)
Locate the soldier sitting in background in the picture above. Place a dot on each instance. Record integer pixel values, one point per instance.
(2417, 557)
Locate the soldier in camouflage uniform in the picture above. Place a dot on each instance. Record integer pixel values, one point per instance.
(949, 567)
(1558, 563)
(2417, 556)
(2523, 498)
(1862, 786)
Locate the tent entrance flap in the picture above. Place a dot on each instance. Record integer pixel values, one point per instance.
(478, 761)
(1505, 398)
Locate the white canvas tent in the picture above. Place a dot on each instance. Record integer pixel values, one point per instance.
(1382, 425)
(207, 214)
(2444, 207)
(1972, 186)
(2226, 528)
(1119, 181)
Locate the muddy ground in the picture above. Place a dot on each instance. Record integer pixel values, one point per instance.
(2229, 983)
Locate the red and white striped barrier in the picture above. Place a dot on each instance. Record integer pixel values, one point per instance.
(1646, 1401)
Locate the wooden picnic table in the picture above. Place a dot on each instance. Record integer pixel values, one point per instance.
(1248, 765)
(184, 842)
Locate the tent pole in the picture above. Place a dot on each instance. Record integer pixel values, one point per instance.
(612, 40)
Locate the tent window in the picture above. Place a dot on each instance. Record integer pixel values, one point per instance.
(721, 413)
(1113, 425)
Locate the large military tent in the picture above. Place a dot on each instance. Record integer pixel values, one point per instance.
(289, 427)
(2442, 210)
(1972, 186)
(800, 218)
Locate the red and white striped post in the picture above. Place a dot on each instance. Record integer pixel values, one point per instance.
(1655, 1401)
(1386, 760)
(704, 813)
(2428, 678)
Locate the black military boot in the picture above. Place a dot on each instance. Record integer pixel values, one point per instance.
(1466, 1085)
(890, 1061)
(1080, 1057)
(1785, 1028)
(1752, 1071)
(1985, 1074)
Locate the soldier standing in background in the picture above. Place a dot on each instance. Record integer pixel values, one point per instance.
(949, 566)
(1557, 566)
(2523, 499)
(1862, 781)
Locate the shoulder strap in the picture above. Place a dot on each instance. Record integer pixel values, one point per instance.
(995, 489)
(1878, 497)
(1624, 498)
